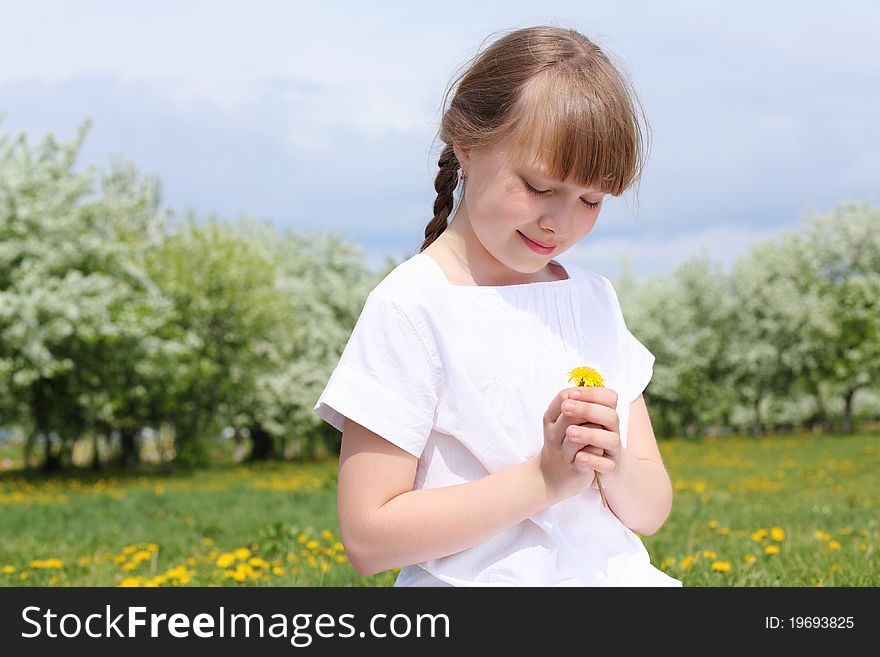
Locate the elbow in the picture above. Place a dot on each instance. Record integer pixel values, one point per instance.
(359, 553)
(361, 562)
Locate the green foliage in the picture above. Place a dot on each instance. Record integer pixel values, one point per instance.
(118, 316)
(789, 337)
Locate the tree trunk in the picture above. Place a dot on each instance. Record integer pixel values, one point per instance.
(262, 444)
(847, 411)
(128, 454)
(757, 429)
(96, 457)
(53, 460)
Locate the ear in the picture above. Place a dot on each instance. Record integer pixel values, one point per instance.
(462, 154)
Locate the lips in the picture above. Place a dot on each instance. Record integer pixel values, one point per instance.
(546, 246)
(537, 246)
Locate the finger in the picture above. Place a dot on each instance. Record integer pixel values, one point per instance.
(595, 462)
(604, 396)
(591, 412)
(555, 409)
(599, 437)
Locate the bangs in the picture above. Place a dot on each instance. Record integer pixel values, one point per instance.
(567, 125)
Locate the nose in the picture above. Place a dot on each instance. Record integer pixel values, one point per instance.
(558, 218)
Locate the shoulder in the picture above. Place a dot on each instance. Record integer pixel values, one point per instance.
(408, 286)
(408, 294)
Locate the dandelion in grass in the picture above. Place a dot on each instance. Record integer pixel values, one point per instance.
(587, 377)
(721, 566)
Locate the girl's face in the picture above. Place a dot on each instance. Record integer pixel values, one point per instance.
(506, 205)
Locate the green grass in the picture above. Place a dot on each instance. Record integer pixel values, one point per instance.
(275, 524)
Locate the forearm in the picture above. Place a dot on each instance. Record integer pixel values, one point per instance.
(430, 523)
(641, 496)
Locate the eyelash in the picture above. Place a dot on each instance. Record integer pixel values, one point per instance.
(536, 192)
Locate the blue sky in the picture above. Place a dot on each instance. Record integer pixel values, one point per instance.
(322, 116)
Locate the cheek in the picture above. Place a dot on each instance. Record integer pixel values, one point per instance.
(588, 223)
(506, 210)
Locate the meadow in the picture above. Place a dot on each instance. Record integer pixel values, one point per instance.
(782, 510)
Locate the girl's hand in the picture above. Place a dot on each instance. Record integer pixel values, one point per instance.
(599, 443)
(565, 466)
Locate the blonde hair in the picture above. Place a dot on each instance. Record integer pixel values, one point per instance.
(552, 87)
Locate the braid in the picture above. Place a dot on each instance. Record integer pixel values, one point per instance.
(445, 184)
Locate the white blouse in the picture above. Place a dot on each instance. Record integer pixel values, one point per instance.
(460, 377)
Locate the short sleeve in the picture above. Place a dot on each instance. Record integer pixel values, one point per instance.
(638, 361)
(386, 379)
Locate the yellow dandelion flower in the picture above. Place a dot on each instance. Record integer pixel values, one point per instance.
(863, 547)
(833, 545)
(225, 560)
(771, 549)
(823, 535)
(128, 567)
(777, 534)
(130, 581)
(241, 553)
(257, 562)
(24, 574)
(721, 566)
(128, 549)
(587, 377)
(8, 570)
(46, 563)
(709, 554)
(750, 559)
(668, 562)
(312, 561)
(724, 531)
(341, 558)
(324, 566)
(312, 544)
(278, 570)
(686, 562)
(302, 538)
(759, 535)
(327, 535)
(713, 524)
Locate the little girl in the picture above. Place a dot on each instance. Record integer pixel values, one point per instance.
(468, 457)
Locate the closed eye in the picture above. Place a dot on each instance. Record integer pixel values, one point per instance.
(536, 192)
(540, 192)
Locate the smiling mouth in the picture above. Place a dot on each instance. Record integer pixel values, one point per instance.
(543, 246)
